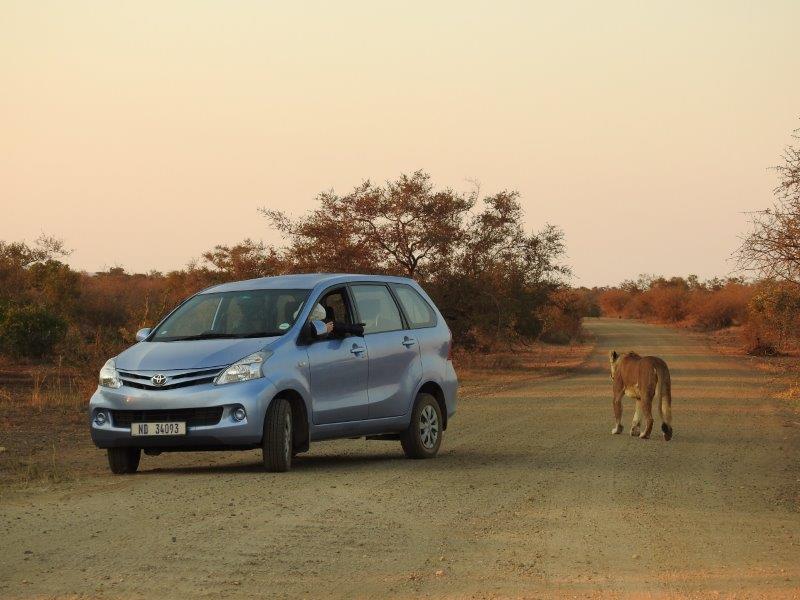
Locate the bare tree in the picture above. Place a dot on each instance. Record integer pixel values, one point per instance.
(772, 248)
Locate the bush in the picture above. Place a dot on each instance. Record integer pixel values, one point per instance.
(613, 302)
(721, 308)
(640, 306)
(767, 311)
(759, 343)
(561, 318)
(669, 303)
(30, 331)
(774, 311)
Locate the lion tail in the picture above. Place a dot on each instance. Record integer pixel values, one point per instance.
(665, 401)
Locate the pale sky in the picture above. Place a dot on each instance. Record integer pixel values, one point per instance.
(143, 133)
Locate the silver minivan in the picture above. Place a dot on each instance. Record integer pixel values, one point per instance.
(276, 363)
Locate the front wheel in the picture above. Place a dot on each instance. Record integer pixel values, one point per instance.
(123, 460)
(277, 443)
(424, 435)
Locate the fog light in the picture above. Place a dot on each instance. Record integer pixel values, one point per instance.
(100, 418)
(239, 414)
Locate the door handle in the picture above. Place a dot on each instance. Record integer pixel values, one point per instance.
(357, 349)
(408, 342)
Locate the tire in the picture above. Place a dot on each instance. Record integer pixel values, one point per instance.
(123, 461)
(276, 445)
(423, 437)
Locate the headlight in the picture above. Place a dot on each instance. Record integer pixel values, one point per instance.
(108, 375)
(244, 370)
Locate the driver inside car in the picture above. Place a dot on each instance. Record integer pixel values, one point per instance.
(332, 326)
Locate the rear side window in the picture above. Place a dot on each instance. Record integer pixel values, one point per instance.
(376, 308)
(419, 312)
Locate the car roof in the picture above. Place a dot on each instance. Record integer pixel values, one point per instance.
(301, 282)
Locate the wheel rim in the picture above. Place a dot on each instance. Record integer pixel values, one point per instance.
(428, 427)
(287, 437)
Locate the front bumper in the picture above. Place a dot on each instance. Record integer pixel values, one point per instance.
(254, 396)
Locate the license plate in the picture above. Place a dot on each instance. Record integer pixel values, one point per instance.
(158, 429)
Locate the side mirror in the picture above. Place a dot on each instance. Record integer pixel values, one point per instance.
(142, 334)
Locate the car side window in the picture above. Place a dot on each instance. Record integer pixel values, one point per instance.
(335, 306)
(418, 311)
(376, 308)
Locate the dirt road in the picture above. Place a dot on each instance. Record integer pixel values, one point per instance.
(531, 497)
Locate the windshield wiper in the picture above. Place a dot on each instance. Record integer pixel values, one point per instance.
(208, 335)
(211, 335)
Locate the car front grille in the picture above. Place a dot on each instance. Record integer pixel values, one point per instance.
(193, 417)
(143, 380)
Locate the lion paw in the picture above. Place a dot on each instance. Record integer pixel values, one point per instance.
(617, 429)
(635, 431)
(644, 435)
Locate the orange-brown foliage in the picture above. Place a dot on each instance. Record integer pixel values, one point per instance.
(491, 278)
(768, 311)
(613, 302)
(561, 318)
(720, 308)
(668, 303)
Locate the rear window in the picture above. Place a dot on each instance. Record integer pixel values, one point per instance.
(376, 308)
(418, 311)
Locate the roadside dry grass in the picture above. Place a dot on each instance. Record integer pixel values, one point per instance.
(43, 429)
(783, 370)
(484, 373)
(42, 423)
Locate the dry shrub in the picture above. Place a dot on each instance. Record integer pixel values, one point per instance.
(613, 302)
(562, 317)
(712, 305)
(639, 307)
(669, 304)
(721, 308)
(759, 342)
(767, 311)
(774, 314)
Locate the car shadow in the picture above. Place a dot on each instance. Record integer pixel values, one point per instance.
(468, 458)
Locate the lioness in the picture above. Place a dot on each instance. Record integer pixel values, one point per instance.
(641, 377)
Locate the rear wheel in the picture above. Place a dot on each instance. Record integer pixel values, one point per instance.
(277, 443)
(423, 437)
(123, 460)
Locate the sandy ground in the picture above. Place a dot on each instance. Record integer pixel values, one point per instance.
(530, 497)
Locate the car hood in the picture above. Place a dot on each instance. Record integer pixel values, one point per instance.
(191, 354)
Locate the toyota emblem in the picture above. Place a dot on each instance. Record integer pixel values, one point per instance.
(159, 379)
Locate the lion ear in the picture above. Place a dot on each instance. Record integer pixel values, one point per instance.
(613, 355)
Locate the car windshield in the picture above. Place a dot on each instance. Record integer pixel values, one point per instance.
(240, 314)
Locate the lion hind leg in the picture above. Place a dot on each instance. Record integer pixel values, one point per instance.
(637, 418)
(647, 409)
(617, 404)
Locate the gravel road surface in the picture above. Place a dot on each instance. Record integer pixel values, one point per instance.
(530, 497)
